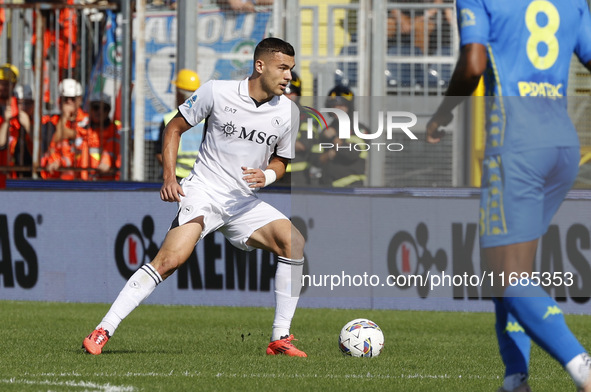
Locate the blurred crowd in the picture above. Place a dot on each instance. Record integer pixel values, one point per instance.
(75, 143)
(80, 139)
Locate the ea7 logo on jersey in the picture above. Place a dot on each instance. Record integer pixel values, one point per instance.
(229, 110)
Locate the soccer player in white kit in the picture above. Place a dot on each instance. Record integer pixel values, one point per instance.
(249, 138)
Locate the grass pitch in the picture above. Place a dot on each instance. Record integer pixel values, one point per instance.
(182, 348)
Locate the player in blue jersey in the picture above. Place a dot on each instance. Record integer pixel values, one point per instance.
(523, 49)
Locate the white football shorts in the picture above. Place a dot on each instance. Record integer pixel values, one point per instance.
(236, 217)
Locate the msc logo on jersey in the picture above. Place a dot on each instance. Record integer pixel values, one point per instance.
(229, 128)
(259, 137)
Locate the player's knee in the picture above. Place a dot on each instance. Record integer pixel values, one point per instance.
(297, 244)
(166, 265)
(292, 246)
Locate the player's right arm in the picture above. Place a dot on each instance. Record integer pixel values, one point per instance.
(171, 189)
(191, 112)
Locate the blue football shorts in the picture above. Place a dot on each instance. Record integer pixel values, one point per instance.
(521, 192)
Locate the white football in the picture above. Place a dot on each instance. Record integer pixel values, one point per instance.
(361, 338)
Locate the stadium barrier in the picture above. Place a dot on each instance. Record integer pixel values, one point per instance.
(365, 249)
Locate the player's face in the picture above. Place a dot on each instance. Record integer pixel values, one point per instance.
(277, 73)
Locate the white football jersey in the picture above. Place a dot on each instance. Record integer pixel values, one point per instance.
(238, 133)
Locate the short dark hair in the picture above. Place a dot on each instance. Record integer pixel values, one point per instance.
(272, 45)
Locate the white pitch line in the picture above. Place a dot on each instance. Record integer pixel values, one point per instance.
(75, 384)
(266, 375)
(185, 373)
(354, 376)
(192, 374)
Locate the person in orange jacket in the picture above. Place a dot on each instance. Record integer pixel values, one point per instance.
(15, 142)
(58, 41)
(100, 149)
(63, 133)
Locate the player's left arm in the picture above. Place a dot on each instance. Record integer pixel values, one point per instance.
(257, 178)
(583, 46)
(474, 26)
(278, 165)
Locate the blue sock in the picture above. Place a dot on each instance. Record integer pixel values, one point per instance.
(514, 344)
(543, 321)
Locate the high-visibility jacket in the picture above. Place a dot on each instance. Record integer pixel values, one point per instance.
(67, 45)
(68, 37)
(14, 136)
(64, 151)
(297, 172)
(188, 146)
(300, 162)
(99, 145)
(3, 162)
(347, 169)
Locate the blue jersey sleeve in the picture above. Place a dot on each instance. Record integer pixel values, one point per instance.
(473, 21)
(583, 48)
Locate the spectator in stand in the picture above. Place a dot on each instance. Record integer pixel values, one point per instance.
(61, 131)
(23, 154)
(242, 5)
(297, 172)
(59, 41)
(25, 100)
(186, 82)
(100, 148)
(342, 165)
(15, 126)
(419, 26)
(415, 32)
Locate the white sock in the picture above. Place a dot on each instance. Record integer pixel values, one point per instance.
(288, 285)
(513, 381)
(579, 368)
(138, 287)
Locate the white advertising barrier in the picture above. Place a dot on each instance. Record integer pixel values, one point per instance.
(381, 252)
